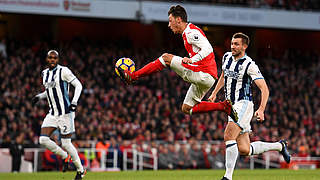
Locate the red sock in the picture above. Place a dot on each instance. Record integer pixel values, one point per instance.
(205, 106)
(150, 68)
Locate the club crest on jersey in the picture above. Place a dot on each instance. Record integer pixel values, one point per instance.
(240, 67)
(51, 84)
(196, 37)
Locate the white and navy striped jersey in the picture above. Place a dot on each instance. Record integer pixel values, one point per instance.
(238, 76)
(56, 83)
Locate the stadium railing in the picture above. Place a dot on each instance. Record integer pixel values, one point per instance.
(271, 160)
(130, 159)
(137, 160)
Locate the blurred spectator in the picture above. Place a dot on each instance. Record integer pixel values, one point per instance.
(216, 156)
(3, 48)
(294, 5)
(89, 152)
(101, 146)
(303, 151)
(164, 159)
(114, 146)
(173, 156)
(184, 160)
(197, 156)
(16, 152)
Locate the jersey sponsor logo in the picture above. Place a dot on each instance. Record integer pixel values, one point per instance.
(231, 74)
(51, 84)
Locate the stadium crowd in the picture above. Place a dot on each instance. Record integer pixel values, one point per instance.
(292, 5)
(147, 115)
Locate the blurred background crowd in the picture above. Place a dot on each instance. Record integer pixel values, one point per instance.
(292, 5)
(147, 115)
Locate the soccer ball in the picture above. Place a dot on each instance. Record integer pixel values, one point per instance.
(125, 64)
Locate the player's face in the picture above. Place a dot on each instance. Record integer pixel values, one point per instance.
(52, 60)
(237, 47)
(174, 24)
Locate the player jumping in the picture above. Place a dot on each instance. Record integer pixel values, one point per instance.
(200, 69)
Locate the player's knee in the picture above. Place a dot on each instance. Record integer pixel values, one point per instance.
(168, 62)
(66, 143)
(186, 109)
(227, 137)
(244, 150)
(43, 140)
(167, 58)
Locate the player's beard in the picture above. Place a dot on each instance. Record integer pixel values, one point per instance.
(236, 54)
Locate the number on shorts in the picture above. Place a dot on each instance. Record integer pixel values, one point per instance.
(65, 129)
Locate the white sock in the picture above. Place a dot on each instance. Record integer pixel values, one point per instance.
(52, 146)
(68, 146)
(259, 147)
(162, 61)
(231, 157)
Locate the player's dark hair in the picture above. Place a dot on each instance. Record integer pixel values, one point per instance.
(178, 11)
(245, 38)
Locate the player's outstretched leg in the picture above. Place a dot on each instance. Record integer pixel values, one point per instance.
(80, 174)
(285, 153)
(224, 106)
(154, 66)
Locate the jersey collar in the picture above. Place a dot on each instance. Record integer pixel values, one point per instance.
(243, 57)
(54, 68)
(186, 28)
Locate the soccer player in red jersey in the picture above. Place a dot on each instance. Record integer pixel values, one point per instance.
(199, 69)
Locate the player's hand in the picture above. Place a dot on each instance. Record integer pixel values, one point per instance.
(73, 107)
(186, 60)
(259, 114)
(212, 97)
(34, 100)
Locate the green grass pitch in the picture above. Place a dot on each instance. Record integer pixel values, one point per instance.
(171, 175)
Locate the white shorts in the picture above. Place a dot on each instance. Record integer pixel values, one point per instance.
(64, 122)
(200, 82)
(244, 108)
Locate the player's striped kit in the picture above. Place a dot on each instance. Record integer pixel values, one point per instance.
(56, 83)
(238, 76)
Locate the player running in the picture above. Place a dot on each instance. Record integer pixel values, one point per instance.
(238, 72)
(56, 80)
(200, 69)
